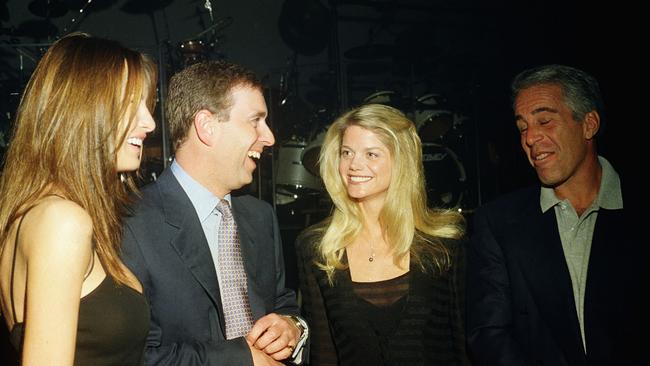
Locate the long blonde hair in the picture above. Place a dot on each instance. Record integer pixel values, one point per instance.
(67, 132)
(410, 227)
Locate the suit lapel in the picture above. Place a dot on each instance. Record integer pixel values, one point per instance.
(189, 242)
(607, 278)
(546, 271)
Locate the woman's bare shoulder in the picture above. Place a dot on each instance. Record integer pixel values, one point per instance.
(57, 221)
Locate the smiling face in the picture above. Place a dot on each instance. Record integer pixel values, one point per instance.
(129, 154)
(365, 165)
(555, 143)
(240, 140)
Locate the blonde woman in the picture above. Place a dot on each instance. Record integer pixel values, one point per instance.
(380, 277)
(66, 296)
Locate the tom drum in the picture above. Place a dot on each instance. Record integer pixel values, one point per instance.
(445, 175)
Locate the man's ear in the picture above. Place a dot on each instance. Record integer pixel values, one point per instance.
(590, 125)
(204, 122)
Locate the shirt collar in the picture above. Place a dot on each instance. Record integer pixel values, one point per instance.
(202, 199)
(609, 193)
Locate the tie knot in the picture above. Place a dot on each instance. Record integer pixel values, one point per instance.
(224, 208)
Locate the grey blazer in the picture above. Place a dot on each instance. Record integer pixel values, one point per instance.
(164, 245)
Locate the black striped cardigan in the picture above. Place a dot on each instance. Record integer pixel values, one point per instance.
(430, 331)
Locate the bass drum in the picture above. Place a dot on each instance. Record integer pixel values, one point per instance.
(292, 179)
(431, 119)
(436, 123)
(444, 174)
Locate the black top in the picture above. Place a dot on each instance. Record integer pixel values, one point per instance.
(417, 320)
(112, 327)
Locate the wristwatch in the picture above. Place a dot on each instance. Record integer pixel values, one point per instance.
(297, 323)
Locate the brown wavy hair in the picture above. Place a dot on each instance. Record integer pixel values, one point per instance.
(67, 132)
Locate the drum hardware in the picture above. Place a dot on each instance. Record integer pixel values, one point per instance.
(82, 4)
(201, 46)
(193, 51)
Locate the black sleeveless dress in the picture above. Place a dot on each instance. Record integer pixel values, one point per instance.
(112, 327)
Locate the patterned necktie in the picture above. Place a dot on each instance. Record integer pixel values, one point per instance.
(232, 276)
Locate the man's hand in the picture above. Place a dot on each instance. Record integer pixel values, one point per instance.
(274, 334)
(262, 359)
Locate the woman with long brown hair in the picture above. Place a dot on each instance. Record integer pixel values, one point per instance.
(65, 295)
(381, 278)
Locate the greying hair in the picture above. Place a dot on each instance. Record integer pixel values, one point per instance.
(580, 90)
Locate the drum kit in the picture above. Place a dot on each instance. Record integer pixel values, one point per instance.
(203, 46)
(440, 130)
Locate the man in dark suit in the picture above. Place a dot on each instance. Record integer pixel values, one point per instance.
(207, 309)
(551, 269)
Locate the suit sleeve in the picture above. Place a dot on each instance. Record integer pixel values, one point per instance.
(489, 306)
(285, 300)
(233, 352)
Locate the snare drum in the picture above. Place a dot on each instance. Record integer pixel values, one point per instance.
(445, 175)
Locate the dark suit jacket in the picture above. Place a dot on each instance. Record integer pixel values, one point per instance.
(520, 302)
(164, 245)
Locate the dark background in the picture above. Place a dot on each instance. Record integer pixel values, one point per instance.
(452, 60)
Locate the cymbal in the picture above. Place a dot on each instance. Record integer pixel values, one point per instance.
(144, 6)
(47, 8)
(370, 51)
